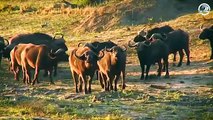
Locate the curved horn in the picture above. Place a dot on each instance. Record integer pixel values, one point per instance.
(79, 44)
(82, 57)
(144, 43)
(7, 41)
(201, 27)
(134, 45)
(142, 32)
(59, 51)
(51, 57)
(124, 48)
(91, 46)
(62, 35)
(102, 55)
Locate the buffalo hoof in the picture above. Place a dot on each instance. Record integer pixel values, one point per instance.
(146, 78)
(166, 76)
(52, 83)
(188, 63)
(142, 78)
(179, 65)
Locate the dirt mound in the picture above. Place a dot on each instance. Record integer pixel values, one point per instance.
(102, 18)
(133, 12)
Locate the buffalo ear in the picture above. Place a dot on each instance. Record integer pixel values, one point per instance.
(164, 36)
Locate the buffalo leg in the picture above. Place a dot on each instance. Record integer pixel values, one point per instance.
(181, 58)
(100, 78)
(211, 43)
(123, 79)
(174, 59)
(142, 71)
(188, 56)
(50, 76)
(36, 76)
(0, 57)
(147, 71)
(28, 76)
(110, 81)
(55, 70)
(80, 82)
(167, 66)
(106, 86)
(18, 72)
(84, 79)
(74, 75)
(115, 82)
(90, 83)
(159, 68)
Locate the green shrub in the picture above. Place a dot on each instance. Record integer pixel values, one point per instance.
(81, 2)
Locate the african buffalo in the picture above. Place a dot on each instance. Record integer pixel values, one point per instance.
(15, 56)
(38, 57)
(177, 40)
(207, 33)
(162, 30)
(112, 66)
(38, 38)
(150, 52)
(83, 64)
(2, 46)
(97, 47)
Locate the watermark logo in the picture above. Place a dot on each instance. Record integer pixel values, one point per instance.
(204, 9)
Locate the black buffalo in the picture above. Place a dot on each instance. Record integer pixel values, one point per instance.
(177, 40)
(142, 35)
(164, 29)
(150, 52)
(2, 46)
(207, 33)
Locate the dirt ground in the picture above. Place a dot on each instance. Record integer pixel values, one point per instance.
(186, 94)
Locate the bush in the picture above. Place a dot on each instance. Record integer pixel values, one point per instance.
(81, 2)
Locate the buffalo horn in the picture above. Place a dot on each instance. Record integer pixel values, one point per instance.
(79, 44)
(62, 35)
(82, 57)
(102, 55)
(51, 56)
(6, 41)
(201, 27)
(59, 51)
(147, 44)
(124, 48)
(130, 45)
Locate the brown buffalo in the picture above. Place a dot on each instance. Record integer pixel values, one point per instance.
(38, 57)
(112, 66)
(15, 56)
(52, 43)
(83, 64)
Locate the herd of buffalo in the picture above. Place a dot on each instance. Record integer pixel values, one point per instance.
(105, 59)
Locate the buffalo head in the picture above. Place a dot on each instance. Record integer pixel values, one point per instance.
(206, 33)
(89, 56)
